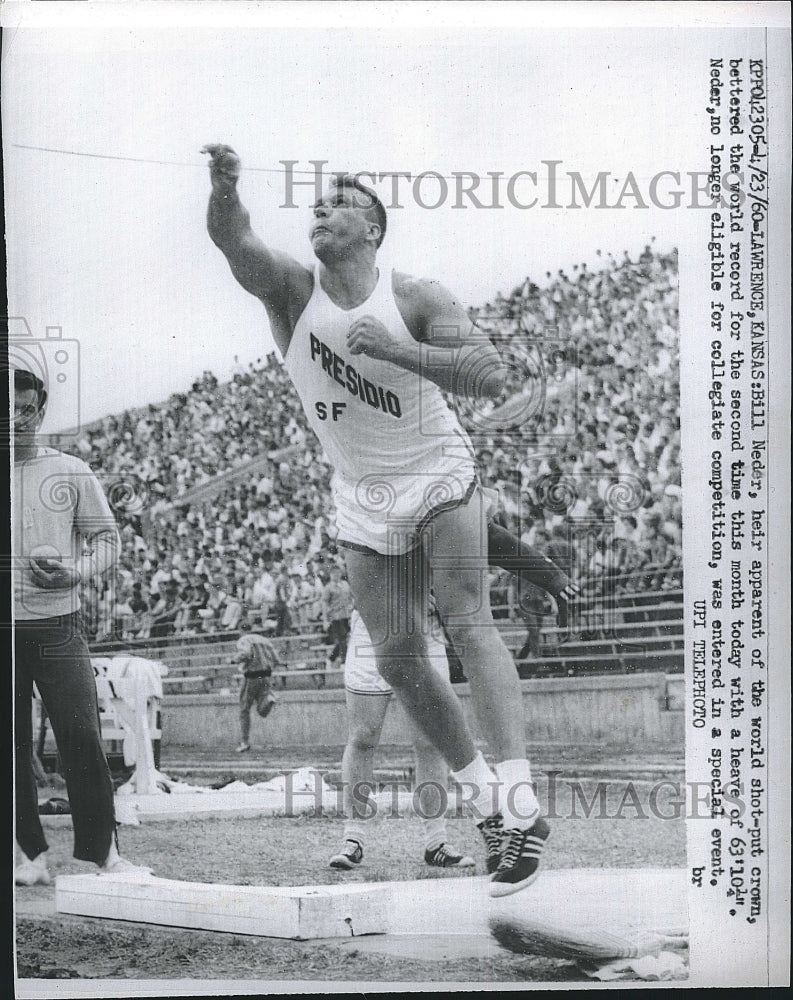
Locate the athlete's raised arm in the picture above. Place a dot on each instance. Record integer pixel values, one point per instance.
(272, 276)
(447, 348)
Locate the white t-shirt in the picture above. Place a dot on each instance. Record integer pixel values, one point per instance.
(56, 501)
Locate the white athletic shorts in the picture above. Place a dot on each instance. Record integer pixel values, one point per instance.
(385, 513)
(360, 668)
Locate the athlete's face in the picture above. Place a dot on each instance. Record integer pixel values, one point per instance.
(341, 223)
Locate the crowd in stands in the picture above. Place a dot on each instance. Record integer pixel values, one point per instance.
(583, 452)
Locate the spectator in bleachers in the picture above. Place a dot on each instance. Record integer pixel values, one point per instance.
(141, 610)
(317, 606)
(284, 602)
(263, 595)
(304, 602)
(165, 611)
(337, 606)
(123, 616)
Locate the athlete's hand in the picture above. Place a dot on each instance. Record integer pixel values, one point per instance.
(224, 166)
(371, 337)
(51, 574)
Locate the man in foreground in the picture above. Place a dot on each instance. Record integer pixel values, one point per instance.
(369, 354)
(63, 533)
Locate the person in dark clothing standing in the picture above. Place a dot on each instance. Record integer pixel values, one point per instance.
(338, 605)
(63, 533)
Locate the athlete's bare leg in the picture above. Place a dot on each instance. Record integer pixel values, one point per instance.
(432, 777)
(365, 716)
(456, 542)
(392, 596)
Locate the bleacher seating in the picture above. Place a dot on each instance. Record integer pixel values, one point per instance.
(633, 631)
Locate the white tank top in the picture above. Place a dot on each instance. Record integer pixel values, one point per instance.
(369, 415)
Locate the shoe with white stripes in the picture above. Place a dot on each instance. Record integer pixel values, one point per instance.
(446, 856)
(492, 829)
(520, 858)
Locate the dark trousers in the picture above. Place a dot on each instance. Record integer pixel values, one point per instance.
(283, 619)
(339, 634)
(53, 653)
(254, 691)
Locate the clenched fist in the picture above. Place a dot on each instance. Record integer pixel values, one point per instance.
(371, 337)
(224, 166)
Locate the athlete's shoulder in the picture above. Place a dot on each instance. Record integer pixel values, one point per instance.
(425, 293)
(422, 301)
(411, 287)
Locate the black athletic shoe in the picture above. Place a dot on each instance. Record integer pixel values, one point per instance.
(492, 829)
(349, 856)
(446, 856)
(520, 860)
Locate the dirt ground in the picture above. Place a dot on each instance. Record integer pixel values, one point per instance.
(284, 851)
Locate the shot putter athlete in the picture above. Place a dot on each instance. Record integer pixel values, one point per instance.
(369, 354)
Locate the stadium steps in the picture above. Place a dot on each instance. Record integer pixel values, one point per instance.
(647, 634)
(606, 647)
(652, 613)
(661, 661)
(554, 637)
(187, 684)
(208, 658)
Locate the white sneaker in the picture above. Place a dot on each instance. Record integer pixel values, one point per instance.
(243, 748)
(33, 872)
(123, 867)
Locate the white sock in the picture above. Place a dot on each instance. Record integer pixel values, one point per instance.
(479, 787)
(519, 804)
(353, 830)
(434, 833)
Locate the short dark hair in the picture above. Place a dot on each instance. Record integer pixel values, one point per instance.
(24, 379)
(374, 203)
